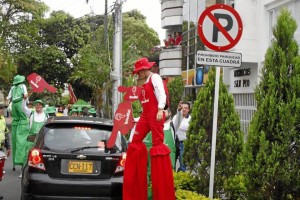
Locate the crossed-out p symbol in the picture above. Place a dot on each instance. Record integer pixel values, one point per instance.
(220, 27)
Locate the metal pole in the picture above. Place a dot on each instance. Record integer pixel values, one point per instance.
(214, 135)
(117, 57)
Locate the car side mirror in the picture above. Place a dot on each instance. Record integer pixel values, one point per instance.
(31, 138)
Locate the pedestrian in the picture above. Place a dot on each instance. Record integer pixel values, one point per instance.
(170, 136)
(153, 100)
(60, 111)
(4, 140)
(171, 40)
(80, 112)
(92, 112)
(51, 111)
(66, 110)
(178, 38)
(181, 127)
(74, 112)
(37, 118)
(16, 96)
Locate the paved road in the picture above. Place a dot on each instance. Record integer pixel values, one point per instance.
(10, 186)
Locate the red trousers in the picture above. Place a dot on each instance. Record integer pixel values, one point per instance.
(135, 174)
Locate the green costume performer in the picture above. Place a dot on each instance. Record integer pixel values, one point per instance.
(20, 130)
(37, 119)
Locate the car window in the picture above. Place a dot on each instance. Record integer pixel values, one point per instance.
(67, 138)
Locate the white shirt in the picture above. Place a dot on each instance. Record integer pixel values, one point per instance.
(10, 91)
(159, 89)
(183, 127)
(38, 117)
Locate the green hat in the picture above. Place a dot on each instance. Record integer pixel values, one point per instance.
(18, 79)
(74, 110)
(92, 110)
(79, 109)
(38, 101)
(50, 110)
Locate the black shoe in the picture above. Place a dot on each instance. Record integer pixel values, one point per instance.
(1, 196)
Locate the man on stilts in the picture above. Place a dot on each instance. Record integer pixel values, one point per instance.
(18, 94)
(153, 100)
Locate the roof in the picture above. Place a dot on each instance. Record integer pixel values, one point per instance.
(82, 120)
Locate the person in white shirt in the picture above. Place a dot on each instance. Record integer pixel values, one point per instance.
(181, 128)
(37, 118)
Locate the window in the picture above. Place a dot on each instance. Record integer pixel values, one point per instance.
(68, 138)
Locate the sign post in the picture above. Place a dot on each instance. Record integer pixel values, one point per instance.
(220, 28)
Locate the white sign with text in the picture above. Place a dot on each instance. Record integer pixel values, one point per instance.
(220, 59)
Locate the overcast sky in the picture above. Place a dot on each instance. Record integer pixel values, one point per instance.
(150, 8)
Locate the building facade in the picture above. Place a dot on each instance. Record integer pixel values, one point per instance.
(258, 18)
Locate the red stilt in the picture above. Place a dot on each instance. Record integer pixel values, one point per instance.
(161, 173)
(135, 176)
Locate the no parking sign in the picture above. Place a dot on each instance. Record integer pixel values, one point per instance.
(220, 27)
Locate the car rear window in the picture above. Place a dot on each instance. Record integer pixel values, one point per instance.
(71, 137)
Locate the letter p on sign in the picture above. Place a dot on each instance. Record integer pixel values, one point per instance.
(220, 27)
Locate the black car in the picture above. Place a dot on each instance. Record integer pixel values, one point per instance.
(70, 160)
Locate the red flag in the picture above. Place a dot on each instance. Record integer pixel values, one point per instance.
(38, 83)
(73, 98)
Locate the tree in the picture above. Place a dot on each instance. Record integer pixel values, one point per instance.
(93, 63)
(271, 156)
(229, 144)
(59, 40)
(17, 23)
(175, 88)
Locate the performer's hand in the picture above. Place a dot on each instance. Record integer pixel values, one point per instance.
(179, 106)
(8, 153)
(160, 114)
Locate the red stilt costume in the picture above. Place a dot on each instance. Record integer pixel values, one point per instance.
(135, 174)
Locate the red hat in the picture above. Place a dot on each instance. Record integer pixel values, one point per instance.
(142, 63)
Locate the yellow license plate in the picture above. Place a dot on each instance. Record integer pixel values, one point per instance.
(80, 167)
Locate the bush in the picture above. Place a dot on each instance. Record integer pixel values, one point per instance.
(235, 187)
(186, 194)
(184, 181)
(185, 186)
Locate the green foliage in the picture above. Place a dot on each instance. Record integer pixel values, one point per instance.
(189, 195)
(17, 26)
(59, 40)
(8, 70)
(271, 156)
(175, 88)
(229, 144)
(185, 186)
(236, 187)
(94, 62)
(138, 40)
(184, 181)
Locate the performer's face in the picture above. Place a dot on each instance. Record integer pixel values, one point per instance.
(38, 107)
(141, 73)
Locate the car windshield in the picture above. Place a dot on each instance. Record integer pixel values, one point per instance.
(76, 137)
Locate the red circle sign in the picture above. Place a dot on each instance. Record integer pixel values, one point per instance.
(210, 26)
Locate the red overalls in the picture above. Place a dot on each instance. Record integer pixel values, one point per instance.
(135, 174)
